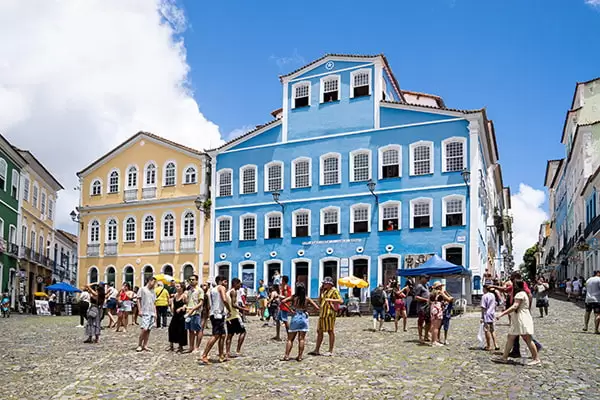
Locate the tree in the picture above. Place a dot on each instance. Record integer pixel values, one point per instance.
(529, 266)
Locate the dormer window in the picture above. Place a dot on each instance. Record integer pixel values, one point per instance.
(361, 83)
(330, 89)
(301, 92)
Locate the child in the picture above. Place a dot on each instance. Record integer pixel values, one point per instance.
(273, 304)
(488, 317)
(437, 314)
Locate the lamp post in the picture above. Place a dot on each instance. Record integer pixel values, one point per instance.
(76, 217)
(371, 185)
(466, 175)
(276, 195)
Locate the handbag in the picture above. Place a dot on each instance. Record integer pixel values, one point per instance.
(92, 312)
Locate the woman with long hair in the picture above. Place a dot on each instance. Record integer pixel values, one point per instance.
(298, 303)
(521, 324)
(123, 307)
(177, 332)
(94, 313)
(134, 308)
(399, 304)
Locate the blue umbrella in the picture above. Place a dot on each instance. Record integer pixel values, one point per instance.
(63, 287)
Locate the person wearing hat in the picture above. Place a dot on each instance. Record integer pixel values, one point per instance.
(329, 300)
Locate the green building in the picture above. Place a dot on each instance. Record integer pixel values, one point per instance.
(10, 170)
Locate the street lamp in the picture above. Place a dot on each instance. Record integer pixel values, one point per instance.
(371, 186)
(466, 175)
(276, 195)
(199, 202)
(76, 217)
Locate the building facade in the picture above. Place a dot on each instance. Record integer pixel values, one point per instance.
(65, 257)
(356, 176)
(137, 213)
(569, 246)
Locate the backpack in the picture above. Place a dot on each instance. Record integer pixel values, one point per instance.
(377, 298)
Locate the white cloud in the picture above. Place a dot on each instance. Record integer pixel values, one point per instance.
(79, 77)
(593, 3)
(285, 62)
(528, 214)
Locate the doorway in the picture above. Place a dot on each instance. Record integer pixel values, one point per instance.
(223, 271)
(273, 267)
(389, 269)
(360, 269)
(301, 274)
(330, 269)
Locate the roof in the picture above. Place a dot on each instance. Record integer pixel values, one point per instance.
(438, 99)
(507, 189)
(10, 151)
(275, 113)
(134, 137)
(33, 161)
(576, 135)
(573, 108)
(68, 235)
(432, 108)
(548, 169)
(590, 179)
(239, 138)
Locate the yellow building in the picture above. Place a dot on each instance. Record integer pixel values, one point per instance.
(138, 213)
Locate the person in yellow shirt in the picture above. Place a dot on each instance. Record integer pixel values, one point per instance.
(162, 305)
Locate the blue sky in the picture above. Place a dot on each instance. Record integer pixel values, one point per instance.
(520, 59)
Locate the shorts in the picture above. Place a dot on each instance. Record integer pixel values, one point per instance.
(489, 327)
(423, 316)
(148, 322)
(326, 323)
(446, 322)
(192, 323)
(399, 305)
(125, 306)
(378, 313)
(593, 306)
(218, 326)
(262, 303)
(283, 316)
(541, 303)
(235, 326)
(111, 304)
(299, 322)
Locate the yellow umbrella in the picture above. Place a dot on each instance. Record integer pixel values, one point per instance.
(40, 294)
(164, 278)
(353, 282)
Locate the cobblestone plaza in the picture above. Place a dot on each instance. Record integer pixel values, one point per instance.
(45, 358)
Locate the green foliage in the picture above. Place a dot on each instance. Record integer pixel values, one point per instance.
(529, 266)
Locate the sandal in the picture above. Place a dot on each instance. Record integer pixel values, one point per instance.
(139, 348)
(501, 361)
(533, 362)
(299, 359)
(204, 361)
(314, 353)
(285, 359)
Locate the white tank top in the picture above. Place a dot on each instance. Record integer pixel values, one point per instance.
(217, 308)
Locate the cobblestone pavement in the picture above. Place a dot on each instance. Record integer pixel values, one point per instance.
(44, 358)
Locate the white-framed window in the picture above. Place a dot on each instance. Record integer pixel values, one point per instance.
(301, 94)
(32, 238)
(453, 210)
(150, 175)
(390, 161)
(454, 154)
(330, 221)
(94, 232)
(360, 165)
(190, 175)
(168, 225)
(3, 173)
(149, 227)
(301, 223)
(421, 158)
(113, 182)
(390, 216)
(224, 182)
(170, 178)
(43, 202)
(331, 171)
(273, 225)
(130, 229)
(96, 189)
(12, 234)
(248, 179)
(132, 177)
(421, 213)
(189, 224)
(26, 189)
(111, 230)
(1, 228)
(14, 183)
(274, 176)
(330, 88)
(35, 195)
(224, 229)
(361, 83)
(301, 173)
(50, 208)
(360, 218)
(454, 253)
(248, 227)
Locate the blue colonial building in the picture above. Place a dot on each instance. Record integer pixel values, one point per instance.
(355, 176)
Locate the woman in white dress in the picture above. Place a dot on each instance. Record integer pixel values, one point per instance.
(568, 289)
(521, 324)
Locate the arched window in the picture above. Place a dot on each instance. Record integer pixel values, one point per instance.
(361, 83)
(454, 156)
(301, 93)
(224, 229)
(224, 182)
(34, 198)
(390, 161)
(3, 173)
(360, 218)
(113, 182)
(111, 231)
(188, 271)
(330, 88)
(96, 187)
(189, 222)
(148, 273)
(248, 181)
(110, 275)
(132, 174)
(167, 269)
(330, 221)
(170, 174)
(453, 210)
(149, 227)
(93, 275)
(129, 275)
(421, 213)
(190, 175)
(301, 173)
(273, 225)
(421, 158)
(150, 175)
(130, 229)
(274, 176)
(360, 165)
(94, 232)
(301, 222)
(331, 172)
(168, 226)
(248, 227)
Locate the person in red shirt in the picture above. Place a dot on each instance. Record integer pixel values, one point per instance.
(284, 310)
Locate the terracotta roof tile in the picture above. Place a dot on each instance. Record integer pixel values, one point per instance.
(324, 57)
(433, 108)
(438, 99)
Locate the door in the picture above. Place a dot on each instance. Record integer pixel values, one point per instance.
(389, 269)
(302, 274)
(248, 277)
(271, 269)
(330, 269)
(223, 271)
(360, 269)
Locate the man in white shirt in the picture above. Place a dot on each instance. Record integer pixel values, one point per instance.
(146, 300)
(592, 301)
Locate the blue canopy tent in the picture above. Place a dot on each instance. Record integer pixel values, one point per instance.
(63, 287)
(435, 266)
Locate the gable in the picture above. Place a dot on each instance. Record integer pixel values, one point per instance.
(324, 67)
(393, 117)
(269, 136)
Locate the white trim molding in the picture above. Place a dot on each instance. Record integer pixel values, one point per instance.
(143, 269)
(266, 268)
(229, 267)
(184, 173)
(322, 261)
(193, 224)
(412, 147)
(241, 265)
(294, 88)
(445, 142)
(463, 201)
(124, 274)
(143, 230)
(352, 165)
(266, 176)
(293, 175)
(360, 257)
(241, 225)
(389, 203)
(380, 259)
(162, 225)
(89, 274)
(293, 276)
(453, 245)
(429, 200)
(380, 165)
(108, 220)
(164, 175)
(295, 214)
(118, 185)
(132, 169)
(218, 228)
(273, 214)
(353, 208)
(97, 181)
(326, 79)
(322, 170)
(125, 221)
(145, 177)
(322, 219)
(218, 188)
(106, 274)
(352, 81)
(242, 169)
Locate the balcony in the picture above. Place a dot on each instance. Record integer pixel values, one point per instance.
(12, 249)
(148, 193)
(93, 250)
(110, 249)
(167, 246)
(592, 227)
(45, 261)
(131, 194)
(187, 245)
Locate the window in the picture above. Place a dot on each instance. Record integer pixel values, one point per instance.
(248, 224)
(453, 154)
(301, 220)
(331, 173)
(421, 158)
(189, 222)
(421, 213)
(132, 174)
(111, 230)
(389, 216)
(15, 184)
(35, 195)
(26, 189)
(130, 229)
(32, 240)
(248, 181)
(96, 187)
(24, 235)
(453, 210)
(3, 173)
(50, 208)
(190, 175)
(330, 221)
(360, 165)
(43, 203)
(359, 218)
(12, 234)
(274, 176)
(150, 175)
(330, 88)
(149, 227)
(224, 182)
(168, 226)
(224, 226)
(94, 232)
(390, 161)
(1, 228)
(301, 173)
(273, 225)
(93, 275)
(301, 92)
(454, 253)
(170, 172)
(113, 182)
(361, 83)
